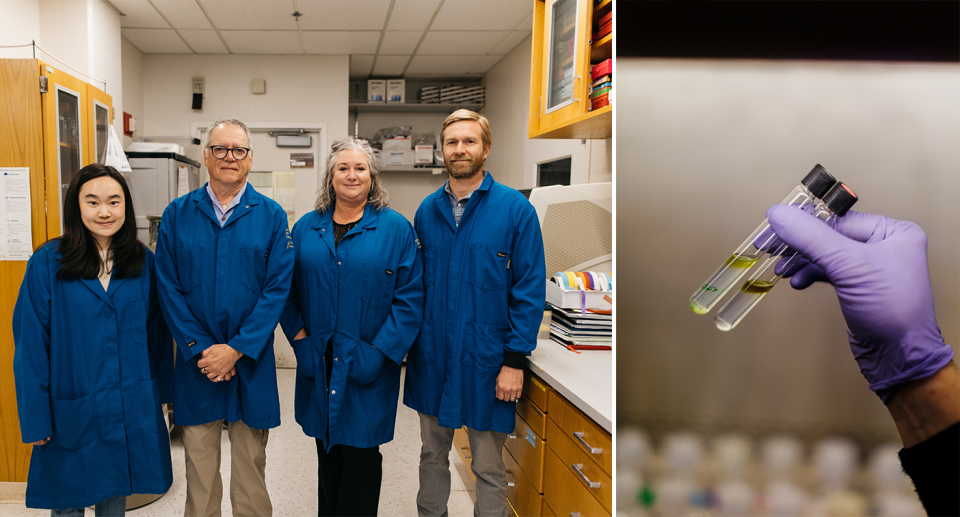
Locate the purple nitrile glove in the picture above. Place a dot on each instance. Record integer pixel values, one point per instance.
(878, 267)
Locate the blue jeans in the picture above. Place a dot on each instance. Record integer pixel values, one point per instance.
(113, 507)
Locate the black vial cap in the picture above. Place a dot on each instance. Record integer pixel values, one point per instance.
(819, 181)
(840, 199)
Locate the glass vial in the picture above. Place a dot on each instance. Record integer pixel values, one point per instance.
(811, 188)
(835, 204)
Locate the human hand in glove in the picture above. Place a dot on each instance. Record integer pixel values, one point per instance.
(878, 267)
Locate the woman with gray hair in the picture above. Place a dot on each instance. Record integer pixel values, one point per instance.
(355, 307)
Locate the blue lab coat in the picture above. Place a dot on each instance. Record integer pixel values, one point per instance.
(88, 367)
(366, 291)
(485, 283)
(224, 285)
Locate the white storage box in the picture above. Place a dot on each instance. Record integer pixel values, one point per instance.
(397, 144)
(392, 157)
(424, 154)
(395, 90)
(577, 299)
(376, 90)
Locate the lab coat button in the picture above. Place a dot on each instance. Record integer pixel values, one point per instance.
(333, 392)
(338, 262)
(336, 358)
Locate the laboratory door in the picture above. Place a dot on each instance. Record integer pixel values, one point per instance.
(291, 177)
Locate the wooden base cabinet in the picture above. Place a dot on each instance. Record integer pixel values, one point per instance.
(558, 460)
(578, 463)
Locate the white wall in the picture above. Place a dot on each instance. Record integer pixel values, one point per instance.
(81, 37)
(132, 60)
(19, 25)
(309, 89)
(704, 148)
(514, 156)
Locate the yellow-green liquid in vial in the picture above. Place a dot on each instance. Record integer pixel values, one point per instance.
(732, 270)
(751, 292)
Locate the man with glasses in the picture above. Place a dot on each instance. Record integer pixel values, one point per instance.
(225, 261)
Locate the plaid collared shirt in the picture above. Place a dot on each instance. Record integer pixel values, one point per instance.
(458, 205)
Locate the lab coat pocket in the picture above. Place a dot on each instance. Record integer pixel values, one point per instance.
(136, 322)
(148, 398)
(376, 286)
(190, 268)
(303, 349)
(253, 268)
(367, 363)
(74, 422)
(488, 267)
(483, 347)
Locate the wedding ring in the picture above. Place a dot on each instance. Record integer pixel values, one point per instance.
(219, 378)
(205, 370)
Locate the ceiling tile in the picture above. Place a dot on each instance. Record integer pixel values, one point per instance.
(343, 15)
(139, 14)
(485, 64)
(182, 14)
(485, 15)
(460, 42)
(442, 65)
(390, 66)
(251, 14)
(262, 42)
(412, 15)
(156, 41)
(526, 24)
(340, 42)
(510, 42)
(397, 42)
(360, 66)
(203, 42)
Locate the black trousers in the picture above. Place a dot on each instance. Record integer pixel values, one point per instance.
(350, 480)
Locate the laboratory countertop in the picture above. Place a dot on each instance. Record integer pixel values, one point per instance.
(585, 379)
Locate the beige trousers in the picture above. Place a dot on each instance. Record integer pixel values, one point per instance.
(248, 458)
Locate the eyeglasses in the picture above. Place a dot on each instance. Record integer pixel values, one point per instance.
(220, 152)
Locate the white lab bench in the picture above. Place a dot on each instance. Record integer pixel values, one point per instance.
(585, 379)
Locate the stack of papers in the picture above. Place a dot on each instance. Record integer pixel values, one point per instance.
(581, 330)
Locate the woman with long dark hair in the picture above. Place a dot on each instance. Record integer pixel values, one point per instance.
(92, 352)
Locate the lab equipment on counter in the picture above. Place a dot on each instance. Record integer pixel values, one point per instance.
(835, 204)
(157, 178)
(813, 186)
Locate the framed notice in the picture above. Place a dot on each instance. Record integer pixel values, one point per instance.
(16, 226)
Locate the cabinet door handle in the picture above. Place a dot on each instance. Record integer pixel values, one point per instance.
(574, 514)
(592, 450)
(512, 436)
(578, 468)
(511, 483)
(466, 452)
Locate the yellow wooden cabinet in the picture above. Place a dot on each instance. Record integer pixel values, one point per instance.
(47, 124)
(560, 69)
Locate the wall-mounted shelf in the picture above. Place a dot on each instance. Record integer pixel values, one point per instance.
(409, 107)
(413, 168)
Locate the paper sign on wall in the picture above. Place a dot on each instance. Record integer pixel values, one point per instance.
(183, 181)
(301, 160)
(16, 226)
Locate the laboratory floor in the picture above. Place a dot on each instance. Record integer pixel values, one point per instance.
(292, 471)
